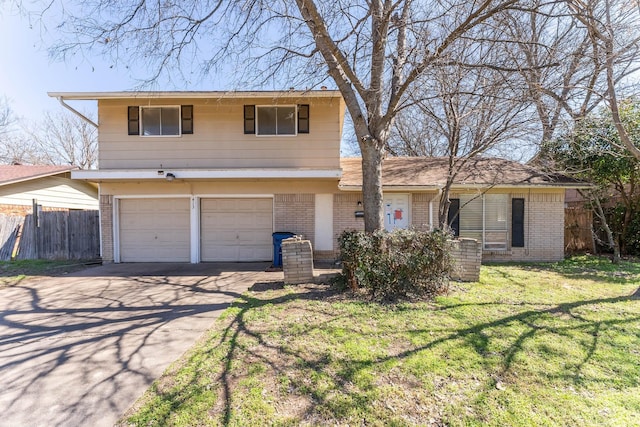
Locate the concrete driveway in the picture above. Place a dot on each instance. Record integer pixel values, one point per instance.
(79, 350)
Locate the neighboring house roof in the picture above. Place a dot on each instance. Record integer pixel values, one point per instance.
(10, 174)
(431, 173)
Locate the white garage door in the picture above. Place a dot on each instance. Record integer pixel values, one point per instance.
(154, 230)
(236, 229)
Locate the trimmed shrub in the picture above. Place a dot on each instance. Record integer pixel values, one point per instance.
(398, 264)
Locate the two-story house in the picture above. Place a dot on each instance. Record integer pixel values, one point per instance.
(209, 176)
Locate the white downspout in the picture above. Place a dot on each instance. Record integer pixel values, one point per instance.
(76, 112)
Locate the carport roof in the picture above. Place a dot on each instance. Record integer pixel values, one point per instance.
(431, 173)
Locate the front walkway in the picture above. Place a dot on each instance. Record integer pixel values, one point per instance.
(79, 350)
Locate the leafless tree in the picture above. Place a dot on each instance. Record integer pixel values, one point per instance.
(7, 119)
(564, 64)
(375, 52)
(462, 112)
(612, 26)
(64, 138)
(58, 139)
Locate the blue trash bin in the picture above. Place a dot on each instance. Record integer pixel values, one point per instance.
(278, 237)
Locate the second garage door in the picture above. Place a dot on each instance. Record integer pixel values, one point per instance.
(236, 230)
(154, 230)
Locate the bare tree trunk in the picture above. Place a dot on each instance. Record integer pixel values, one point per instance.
(611, 241)
(372, 159)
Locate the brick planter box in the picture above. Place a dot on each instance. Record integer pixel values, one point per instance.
(467, 254)
(297, 261)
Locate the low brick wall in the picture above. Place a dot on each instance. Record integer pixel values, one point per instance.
(297, 261)
(467, 254)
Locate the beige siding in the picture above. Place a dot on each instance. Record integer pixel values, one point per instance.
(218, 140)
(52, 192)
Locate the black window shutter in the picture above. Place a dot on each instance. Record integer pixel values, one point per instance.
(453, 217)
(517, 223)
(187, 119)
(134, 120)
(250, 119)
(303, 118)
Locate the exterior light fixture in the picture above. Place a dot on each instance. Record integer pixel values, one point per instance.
(170, 177)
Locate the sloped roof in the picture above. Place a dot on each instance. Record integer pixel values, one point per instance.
(431, 173)
(10, 174)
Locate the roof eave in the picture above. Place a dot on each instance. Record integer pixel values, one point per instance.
(194, 174)
(90, 96)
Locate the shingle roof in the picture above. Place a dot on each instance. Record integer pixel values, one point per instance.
(16, 173)
(432, 172)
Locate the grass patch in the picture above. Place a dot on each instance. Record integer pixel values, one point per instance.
(14, 272)
(535, 344)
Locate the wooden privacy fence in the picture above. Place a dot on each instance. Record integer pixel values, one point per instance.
(72, 234)
(577, 230)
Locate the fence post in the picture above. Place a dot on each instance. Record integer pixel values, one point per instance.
(36, 226)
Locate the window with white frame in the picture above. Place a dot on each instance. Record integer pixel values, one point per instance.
(276, 120)
(280, 120)
(165, 120)
(485, 218)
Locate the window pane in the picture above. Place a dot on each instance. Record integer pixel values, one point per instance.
(151, 121)
(286, 117)
(170, 121)
(495, 208)
(470, 213)
(266, 121)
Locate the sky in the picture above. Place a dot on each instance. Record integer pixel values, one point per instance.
(27, 71)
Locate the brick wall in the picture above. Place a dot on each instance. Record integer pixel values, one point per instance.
(295, 213)
(106, 227)
(24, 210)
(543, 229)
(420, 210)
(15, 210)
(344, 207)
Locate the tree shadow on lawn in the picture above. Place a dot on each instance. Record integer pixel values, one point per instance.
(533, 322)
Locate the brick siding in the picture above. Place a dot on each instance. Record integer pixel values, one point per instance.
(420, 210)
(24, 210)
(543, 230)
(467, 254)
(295, 213)
(106, 227)
(344, 207)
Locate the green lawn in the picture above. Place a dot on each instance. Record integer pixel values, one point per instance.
(548, 344)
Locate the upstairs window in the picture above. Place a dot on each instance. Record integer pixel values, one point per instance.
(271, 120)
(173, 120)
